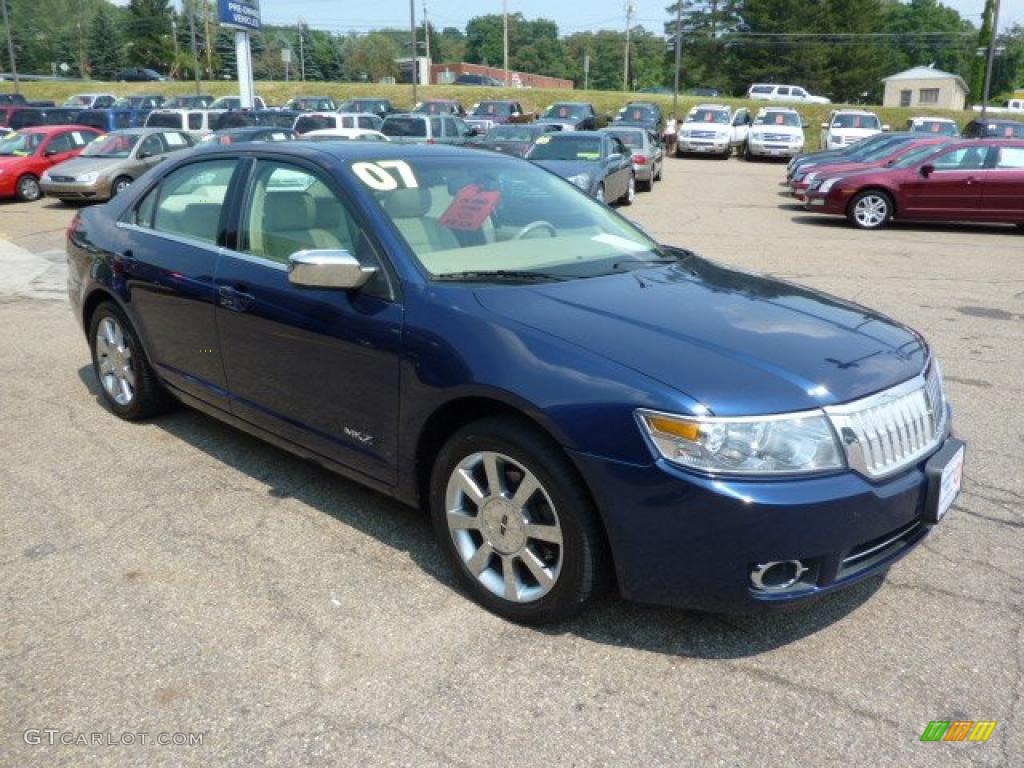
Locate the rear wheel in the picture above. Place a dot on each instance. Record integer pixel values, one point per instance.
(871, 209)
(630, 196)
(516, 522)
(28, 188)
(128, 383)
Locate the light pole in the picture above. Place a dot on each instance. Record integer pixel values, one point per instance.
(10, 46)
(412, 29)
(192, 36)
(991, 56)
(504, 16)
(625, 61)
(679, 51)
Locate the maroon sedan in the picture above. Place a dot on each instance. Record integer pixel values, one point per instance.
(884, 156)
(978, 180)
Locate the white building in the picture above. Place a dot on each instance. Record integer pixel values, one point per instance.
(925, 87)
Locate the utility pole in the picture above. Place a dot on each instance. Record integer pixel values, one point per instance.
(991, 56)
(302, 52)
(504, 18)
(426, 35)
(415, 47)
(625, 60)
(192, 34)
(679, 52)
(10, 47)
(209, 46)
(174, 38)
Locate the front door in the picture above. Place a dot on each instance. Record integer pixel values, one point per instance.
(952, 188)
(1001, 194)
(316, 367)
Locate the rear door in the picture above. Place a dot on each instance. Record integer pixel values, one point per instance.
(952, 189)
(316, 367)
(1003, 189)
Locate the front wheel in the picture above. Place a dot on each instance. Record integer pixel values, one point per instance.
(28, 188)
(870, 210)
(128, 383)
(516, 522)
(119, 185)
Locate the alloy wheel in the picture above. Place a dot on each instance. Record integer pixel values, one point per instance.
(871, 211)
(114, 362)
(504, 526)
(28, 188)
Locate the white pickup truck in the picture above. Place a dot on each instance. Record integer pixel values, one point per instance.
(1012, 106)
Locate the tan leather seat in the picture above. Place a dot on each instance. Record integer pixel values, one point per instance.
(408, 208)
(290, 225)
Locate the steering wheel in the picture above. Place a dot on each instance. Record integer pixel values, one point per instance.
(535, 225)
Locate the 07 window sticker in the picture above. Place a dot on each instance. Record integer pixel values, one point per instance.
(378, 176)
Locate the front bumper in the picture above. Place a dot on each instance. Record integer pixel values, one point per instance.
(703, 146)
(773, 149)
(826, 203)
(690, 541)
(74, 190)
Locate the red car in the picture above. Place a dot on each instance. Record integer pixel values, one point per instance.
(25, 154)
(977, 180)
(880, 158)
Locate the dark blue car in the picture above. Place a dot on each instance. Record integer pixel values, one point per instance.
(576, 405)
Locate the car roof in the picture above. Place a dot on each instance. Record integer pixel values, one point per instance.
(47, 129)
(709, 106)
(354, 150)
(854, 112)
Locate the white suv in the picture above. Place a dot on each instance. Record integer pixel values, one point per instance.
(848, 126)
(713, 129)
(772, 92)
(777, 132)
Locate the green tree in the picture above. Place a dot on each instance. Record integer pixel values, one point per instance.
(104, 48)
(372, 57)
(148, 31)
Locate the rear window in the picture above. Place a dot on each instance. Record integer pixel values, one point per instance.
(404, 127)
(163, 120)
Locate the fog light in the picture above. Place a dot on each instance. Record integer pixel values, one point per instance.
(777, 575)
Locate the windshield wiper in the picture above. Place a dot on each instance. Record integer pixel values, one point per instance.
(502, 275)
(637, 263)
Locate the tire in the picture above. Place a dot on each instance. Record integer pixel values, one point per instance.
(489, 542)
(871, 209)
(661, 170)
(28, 189)
(646, 186)
(119, 185)
(747, 154)
(128, 384)
(630, 196)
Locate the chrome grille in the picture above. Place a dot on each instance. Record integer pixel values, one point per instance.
(703, 134)
(888, 432)
(776, 137)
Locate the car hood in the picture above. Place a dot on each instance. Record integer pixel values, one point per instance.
(567, 168)
(80, 165)
(736, 343)
(559, 121)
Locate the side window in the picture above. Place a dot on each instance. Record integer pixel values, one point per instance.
(189, 200)
(291, 209)
(59, 143)
(435, 127)
(450, 128)
(366, 122)
(347, 122)
(80, 139)
(195, 121)
(150, 146)
(800, 92)
(618, 146)
(783, 91)
(1011, 157)
(962, 159)
(123, 120)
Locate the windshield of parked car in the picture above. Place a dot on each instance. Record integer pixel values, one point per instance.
(492, 216)
(917, 155)
(21, 144)
(565, 112)
(720, 116)
(485, 108)
(632, 139)
(882, 151)
(940, 127)
(78, 101)
(512, 133)
(637, 114)
(405, 127)
(790, 119)
(869, 122)
(435, 108)
(566, 147)
(112, 145)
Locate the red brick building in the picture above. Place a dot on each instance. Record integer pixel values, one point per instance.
(442, 74)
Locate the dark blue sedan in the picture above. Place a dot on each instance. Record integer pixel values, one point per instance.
(575, 404)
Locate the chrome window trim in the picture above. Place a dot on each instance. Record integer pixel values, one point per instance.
(171, 236)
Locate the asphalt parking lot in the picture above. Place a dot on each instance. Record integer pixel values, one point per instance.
(179, 577)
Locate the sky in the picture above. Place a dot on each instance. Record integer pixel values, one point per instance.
(570, 15)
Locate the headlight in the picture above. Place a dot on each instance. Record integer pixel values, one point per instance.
(827, 184)
(581, 180)
(765, 445)
(811, 177)
(88, 178)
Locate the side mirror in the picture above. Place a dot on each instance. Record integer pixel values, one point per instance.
(886, 128)
(145, 155)
(327, 269)
(927, 170)
(51, 151)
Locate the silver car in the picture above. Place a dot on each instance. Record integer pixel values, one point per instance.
(648, 154)
(111, 162)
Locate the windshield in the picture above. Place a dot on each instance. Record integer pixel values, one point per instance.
(435, 108)
(512, 133)
(485, 108)
(578, 148)
(565, 112)
(632, 139)
(791, 119)
(940, 127)
(113, 145)
(868, 122)
(914, 156)
(720, 116)
(404, 127)
(21, 144)
(78, 101)
(882, 151)
(637, 114)
(499, 215)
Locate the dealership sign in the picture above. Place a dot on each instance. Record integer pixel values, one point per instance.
(239, 14)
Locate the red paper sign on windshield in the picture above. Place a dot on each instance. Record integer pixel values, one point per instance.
(470, 209)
